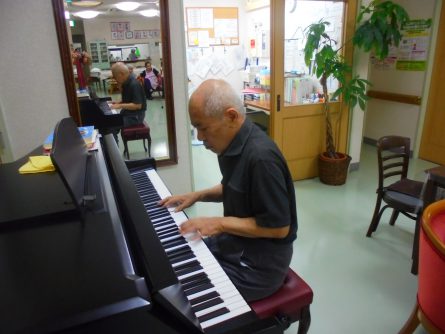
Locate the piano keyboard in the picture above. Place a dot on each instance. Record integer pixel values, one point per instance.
(213, 297)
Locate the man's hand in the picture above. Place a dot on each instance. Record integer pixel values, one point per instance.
(180, 202)
(203, 226)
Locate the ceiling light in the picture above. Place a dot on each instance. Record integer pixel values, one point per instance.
(87, 14)
(149, 12)
(67, 15)
(127, 5)
(86, 3)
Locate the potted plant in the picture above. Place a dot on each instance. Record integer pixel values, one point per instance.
(380, 30)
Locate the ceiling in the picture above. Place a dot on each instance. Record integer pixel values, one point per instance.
(108, 8)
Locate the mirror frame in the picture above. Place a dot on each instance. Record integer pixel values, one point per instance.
(70, 87)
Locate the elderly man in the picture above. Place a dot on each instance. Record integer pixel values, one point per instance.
(133, 103)
(253, 241)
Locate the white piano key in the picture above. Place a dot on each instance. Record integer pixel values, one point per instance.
(232, 299)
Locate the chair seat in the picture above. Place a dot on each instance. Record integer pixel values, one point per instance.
(137, 131)
(289, 300)
(402, 201)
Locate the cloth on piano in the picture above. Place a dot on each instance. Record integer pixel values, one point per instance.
(37, 164)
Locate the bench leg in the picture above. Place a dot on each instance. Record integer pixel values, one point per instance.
(305, 320)
(126, 152)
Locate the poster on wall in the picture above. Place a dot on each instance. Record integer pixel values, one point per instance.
(413, 49)
(412, 52)
(119, 30)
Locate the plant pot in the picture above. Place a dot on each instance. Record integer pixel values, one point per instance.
(333, 171)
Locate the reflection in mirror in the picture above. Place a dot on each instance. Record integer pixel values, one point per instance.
(89, 47)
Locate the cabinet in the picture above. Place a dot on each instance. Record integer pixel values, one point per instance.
(99, 54)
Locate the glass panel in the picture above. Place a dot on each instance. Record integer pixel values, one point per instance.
(256, 79)
(300, 86)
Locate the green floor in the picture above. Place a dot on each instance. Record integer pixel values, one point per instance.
(361, 285)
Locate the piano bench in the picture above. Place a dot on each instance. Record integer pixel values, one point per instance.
(289, 304)
(136, 132)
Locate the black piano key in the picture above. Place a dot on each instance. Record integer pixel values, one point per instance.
(190, 285)
(203, 298)
(207, 304)
(199, 288)
(174, 242)
(213, 314)
(187, 264)
(168, 234)
(187, 270)
(178, 251)
(182, 257)
(192, 278)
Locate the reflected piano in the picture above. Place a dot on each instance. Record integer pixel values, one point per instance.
(116, 264)
(96, 111)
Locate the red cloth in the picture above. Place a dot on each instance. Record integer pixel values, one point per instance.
(78, 61)
(431, 291)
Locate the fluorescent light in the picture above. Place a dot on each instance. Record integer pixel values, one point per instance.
(67, 15)
(86, 3)
(149, 12)
(127, 5)
(87, 14)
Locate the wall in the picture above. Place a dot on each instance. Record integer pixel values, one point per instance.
(385, 117)
(32, 92)
(224, 62)
(100, 29)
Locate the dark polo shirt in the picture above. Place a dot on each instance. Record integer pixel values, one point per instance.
(133, 92)
(256, 183)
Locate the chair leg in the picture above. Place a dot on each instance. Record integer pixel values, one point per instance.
(305, 321)
(145, 147)
(375, 218)
(411, 324)
(415, 255)
(393, 218)
(149, 147)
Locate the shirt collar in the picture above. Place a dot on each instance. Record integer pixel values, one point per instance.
(240, 139)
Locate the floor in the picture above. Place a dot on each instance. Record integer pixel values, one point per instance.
(361, 285)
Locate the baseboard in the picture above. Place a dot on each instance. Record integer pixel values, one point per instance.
(354, 166)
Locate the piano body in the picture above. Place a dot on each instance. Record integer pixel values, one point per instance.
(95, 111)
(119, 266)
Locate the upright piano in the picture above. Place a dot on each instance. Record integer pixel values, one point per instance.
(87, 250)
(95, 111)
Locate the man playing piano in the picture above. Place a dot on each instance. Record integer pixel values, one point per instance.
(133, 103)
(253, 241)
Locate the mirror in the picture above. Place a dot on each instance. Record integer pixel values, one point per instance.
(65, 39)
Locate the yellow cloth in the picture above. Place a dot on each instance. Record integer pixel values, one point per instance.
(37, 164)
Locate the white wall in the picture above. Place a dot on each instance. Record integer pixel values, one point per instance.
(385, 117)
(32, 91)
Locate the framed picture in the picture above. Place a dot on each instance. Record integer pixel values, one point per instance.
(129, 35)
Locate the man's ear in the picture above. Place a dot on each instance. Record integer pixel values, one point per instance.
(231, 114)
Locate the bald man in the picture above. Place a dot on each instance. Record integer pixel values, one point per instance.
(133, 103)
(253, 241)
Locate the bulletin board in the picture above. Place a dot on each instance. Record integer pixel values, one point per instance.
(208, 26)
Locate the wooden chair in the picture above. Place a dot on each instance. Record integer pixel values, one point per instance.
(289, 304)
(430, 306)
(136, 132)
(399, 193)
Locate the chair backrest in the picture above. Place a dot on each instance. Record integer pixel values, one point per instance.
(435, 185)
(431, 290)
(393, 159)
